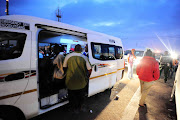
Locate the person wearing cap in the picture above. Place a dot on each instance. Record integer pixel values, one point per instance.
(78, 70)
(131, 58)
(148, 72)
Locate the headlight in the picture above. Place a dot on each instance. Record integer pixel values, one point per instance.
(137, 62)
(174, 55)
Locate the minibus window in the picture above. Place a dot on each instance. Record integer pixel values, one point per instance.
(11, 44)
(97, 51)
(103, 51)
(111, 52)
(119, 52)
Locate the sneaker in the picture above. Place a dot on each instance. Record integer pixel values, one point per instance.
(165, 80)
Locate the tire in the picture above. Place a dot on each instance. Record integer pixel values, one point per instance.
(11, 113)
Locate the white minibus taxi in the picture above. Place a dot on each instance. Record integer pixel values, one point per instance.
(27, 87)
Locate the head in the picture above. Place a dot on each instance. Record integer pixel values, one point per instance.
(166, 53)
(148, 52)
(78, 48)
(57, 49)
(86, 48)
(132, 51)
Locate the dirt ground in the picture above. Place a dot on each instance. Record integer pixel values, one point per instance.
(104, 106)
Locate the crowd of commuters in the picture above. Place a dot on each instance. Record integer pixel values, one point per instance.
(75, 69)
(169, 65)
(149, 70)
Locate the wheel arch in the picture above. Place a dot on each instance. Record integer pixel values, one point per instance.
(7, 108)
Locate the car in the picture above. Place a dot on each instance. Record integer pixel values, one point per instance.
(158, 56)
(138, 53)
(165, 59)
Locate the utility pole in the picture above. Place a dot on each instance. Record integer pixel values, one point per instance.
(58, 15)
(7, 7)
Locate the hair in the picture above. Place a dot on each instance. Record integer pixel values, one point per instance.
(58, 49)
(148, 52)
(78, 48)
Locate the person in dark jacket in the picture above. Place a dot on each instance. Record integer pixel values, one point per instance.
(148, 72)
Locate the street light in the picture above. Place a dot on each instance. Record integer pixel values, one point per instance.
(7, 7)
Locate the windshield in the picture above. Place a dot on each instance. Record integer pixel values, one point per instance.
(137, 53)
(127, 52)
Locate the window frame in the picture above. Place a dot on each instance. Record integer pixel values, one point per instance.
(109, 45)
(116, 51)
(23, 46)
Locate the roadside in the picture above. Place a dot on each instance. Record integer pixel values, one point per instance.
(104, 106)
(158, 105)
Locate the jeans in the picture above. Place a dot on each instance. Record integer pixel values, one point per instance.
(130, 71)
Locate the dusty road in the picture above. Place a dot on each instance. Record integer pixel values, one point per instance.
(103, 106)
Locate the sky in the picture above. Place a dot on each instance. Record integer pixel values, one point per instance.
(139, 24)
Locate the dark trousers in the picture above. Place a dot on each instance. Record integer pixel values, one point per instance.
(166, 72)
(172, 71)
(77, 98)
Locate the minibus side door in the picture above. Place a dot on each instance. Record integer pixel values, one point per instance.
(120, 62)
(18, 85)
(103, 70)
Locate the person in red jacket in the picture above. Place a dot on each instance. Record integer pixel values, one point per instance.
(148, 72)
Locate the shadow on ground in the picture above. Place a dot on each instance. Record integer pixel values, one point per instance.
(95, 105)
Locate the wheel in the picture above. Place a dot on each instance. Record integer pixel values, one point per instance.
(11, 113)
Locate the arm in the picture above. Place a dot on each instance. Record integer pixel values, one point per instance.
(88, 66)
(156, 72)
(128, 58)
(89, 72)
(138, 68)
(65, 66)
(65, 70)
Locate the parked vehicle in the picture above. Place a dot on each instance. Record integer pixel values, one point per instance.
(26, 82)
(166, 60)
(138, 53)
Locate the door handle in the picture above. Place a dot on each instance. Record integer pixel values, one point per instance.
(95, 68)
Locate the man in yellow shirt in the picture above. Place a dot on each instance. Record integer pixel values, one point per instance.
(78, 70)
